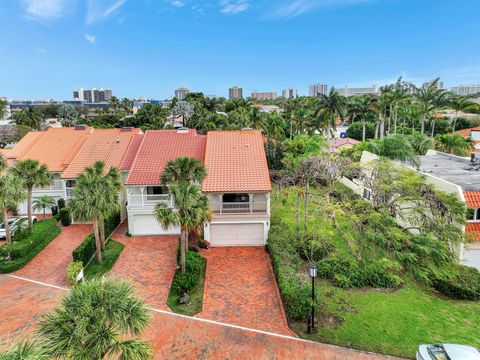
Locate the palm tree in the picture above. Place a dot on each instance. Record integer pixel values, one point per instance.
(30, 117)
(24, 349)
(94, 321)
(12, 191)
(429, 98)
(126, 105)
(333, 107)
(395, 147)
(458, 103)
(420, 143)
(33, 174)
(454, 144)
(381, 108)
(358, 107)
(400, 96)
(114, 103)
(183, 109)
(43, 202)
(183, 169)
(190, 212)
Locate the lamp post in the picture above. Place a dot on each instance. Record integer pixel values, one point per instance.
(313, 274)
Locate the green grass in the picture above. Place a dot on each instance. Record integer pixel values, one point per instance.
(196, 296)
(389, 321)
(113, 249)
(28, 244)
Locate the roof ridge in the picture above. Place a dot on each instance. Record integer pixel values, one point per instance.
(140, 147)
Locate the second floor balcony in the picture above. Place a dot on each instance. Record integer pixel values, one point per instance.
(56, 185)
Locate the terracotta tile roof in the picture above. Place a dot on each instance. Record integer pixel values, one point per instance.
(473, 228)
(236, 161)
(336, 144)
(54, 147)
(472, 198)
(160, 146)
(131, 152)
(466, 132)
(108, 145)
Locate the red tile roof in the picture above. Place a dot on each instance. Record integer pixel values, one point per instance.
(336, 144)
(466, 132)
(472, 198)
(129, 156)
(236, 161)
(473, 228)
(107, 145)
(160, 146)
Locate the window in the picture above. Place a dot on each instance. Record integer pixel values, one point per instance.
(473, 214)
(235, 198)
(71, 183)
(367, 194)
(153, 192)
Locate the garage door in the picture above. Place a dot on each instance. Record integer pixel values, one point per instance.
(148, 225)
(471, 257)
(237, 234)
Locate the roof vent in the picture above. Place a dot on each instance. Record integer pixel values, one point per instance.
(81, 127)
(182, 130)
(127, 128)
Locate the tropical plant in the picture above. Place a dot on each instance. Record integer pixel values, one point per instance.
(429, 98)
(32, 173)
(24, 350)
(67, 115)
(395, 147)
(183, 169)
(43, 202)
(190, 212)
(358, 107)
(30, 117)
(420, 143)
(114, 103)
(3, 163)
(126, 105)
(454, 144)
(331, 107)
(94, 321)
(184, 110)
(12, 191)
(458, 103)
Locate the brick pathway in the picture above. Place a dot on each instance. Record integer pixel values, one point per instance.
(149, 262)
(240, 289)
(50, 265)
(172, 336)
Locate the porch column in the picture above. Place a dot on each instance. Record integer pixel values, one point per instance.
(141, 191)
(267, 196)
(220, 202)
(250, 202)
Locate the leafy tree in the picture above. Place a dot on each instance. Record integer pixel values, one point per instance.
(32, 173)
(126, 106)
(360, 108)
(12, 191)
(8, 135)
(43, 202)
(190, 212)
(150, 117)
(454, 144)
(359, 130)
(49, 111)
(67, 115)
(94, 321)
(30, 117)
(395, 147)
(301, 147)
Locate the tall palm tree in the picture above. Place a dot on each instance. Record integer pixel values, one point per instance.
(33, 174)
(43, 202)
(358, 107)
(183, 169)
(12, 191)
(332, 106)
(381, 108)
(126, 105)
(429, 98)
(399, 95)
(114, 102)
(190, 212)
(458, 103)
(94, 321)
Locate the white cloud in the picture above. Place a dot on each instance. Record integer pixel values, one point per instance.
(293, 8)
(99, 10)
(177, 3)
(92, 39)
(233, 6)
(45, 9)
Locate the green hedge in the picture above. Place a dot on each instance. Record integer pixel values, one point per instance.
(27, 245)
(463, 284)
(86, 249)
(185, 282)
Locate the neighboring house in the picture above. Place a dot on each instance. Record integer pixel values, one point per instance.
(337, 144)
(453, 175)
(474, 134)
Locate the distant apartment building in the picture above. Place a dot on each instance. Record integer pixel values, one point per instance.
(289, 93)
(264, 95)
(181, 93)
(93, 95)
(466, 89)
(235, 92)
(428, 83)
(316, 89)
(348, 91)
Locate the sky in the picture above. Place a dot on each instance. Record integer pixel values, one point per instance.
(147, 48)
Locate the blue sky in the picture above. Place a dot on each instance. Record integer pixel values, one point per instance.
(147, 48)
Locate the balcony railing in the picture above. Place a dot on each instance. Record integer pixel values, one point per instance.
(240, 208)
(55, 185)
(148, 200)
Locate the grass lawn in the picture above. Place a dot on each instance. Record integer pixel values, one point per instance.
(196, 296)
(387, 321)
(113, 249)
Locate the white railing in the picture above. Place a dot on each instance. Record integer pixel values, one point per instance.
(55, 185)
(148, 200)
(240, 208)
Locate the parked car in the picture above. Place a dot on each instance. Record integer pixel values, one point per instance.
(15, 222)
(447, 352)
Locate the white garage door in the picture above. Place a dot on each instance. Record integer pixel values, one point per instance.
(148, 225)
(471, 257)
(237, 234)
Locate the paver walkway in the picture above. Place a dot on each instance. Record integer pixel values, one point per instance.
(240, 289)
(50, 264)
(172, 336)
(149, 262)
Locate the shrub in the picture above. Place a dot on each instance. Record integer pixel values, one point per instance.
(464, 283)
(54, 210)
(65, 218)
(73, 270)
(61, 203)
(185, 282)
(190, 248)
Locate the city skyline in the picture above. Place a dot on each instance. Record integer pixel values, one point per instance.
(146, 49)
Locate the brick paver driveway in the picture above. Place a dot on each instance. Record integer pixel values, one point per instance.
(240, 289)
(149, 262)
(172, 336)
(50, 265)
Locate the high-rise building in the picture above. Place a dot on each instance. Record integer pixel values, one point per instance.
(93, 96)
(316, 89)
(235, 92)
(181, 93)
(289, 93)
(466, 89)
(428, 83)
(263, 95)
(348, 91)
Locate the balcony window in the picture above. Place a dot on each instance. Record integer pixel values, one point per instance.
(71, 183)
(236, 198)
(154, 191)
